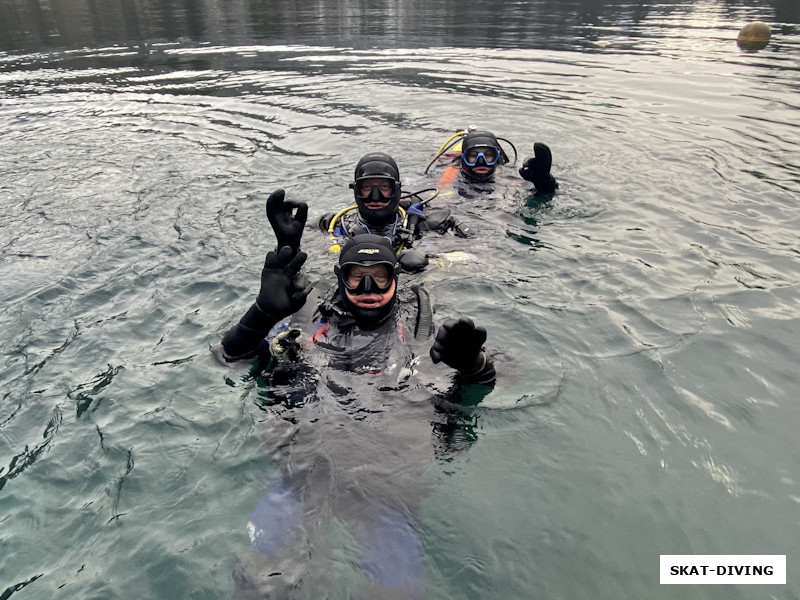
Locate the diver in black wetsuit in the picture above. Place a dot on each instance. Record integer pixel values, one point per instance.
(382, 210)
(481, 153)
(364, 307)
(360, 339)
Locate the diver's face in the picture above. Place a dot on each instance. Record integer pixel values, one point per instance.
(375, 201)
(373, 299)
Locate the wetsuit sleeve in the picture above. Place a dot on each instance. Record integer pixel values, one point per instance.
(243, 339)
(485, 373)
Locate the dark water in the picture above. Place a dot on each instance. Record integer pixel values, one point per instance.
(647, 315)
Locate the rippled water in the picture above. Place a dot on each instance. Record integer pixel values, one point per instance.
(647, 314)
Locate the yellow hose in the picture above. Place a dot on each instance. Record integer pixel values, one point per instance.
(443, 147)
(338, 215)
(336, 248)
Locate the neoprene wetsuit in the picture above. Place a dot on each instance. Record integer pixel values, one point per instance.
(338, 366)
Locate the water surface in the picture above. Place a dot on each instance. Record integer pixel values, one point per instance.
(647, 314)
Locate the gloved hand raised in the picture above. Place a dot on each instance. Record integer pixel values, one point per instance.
(282, 292)
(281, 295)
(459, 344)
(536, 169)
(288, 229)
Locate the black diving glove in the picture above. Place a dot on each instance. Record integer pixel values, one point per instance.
(282, 293)
(324, 222)
(288, 229)
(537, 169)
(459, 344)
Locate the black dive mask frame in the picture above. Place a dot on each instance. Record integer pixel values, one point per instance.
(375, 194)
(377, 216)
(367, 285)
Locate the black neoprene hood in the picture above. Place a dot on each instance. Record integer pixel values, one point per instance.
(367, 249)
(479, 138)
(377, 164)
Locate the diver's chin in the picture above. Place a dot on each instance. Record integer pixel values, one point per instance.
(479, 174)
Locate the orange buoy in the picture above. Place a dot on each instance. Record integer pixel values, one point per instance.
(754, 36)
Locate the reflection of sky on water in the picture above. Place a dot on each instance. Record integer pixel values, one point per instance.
(543, 24)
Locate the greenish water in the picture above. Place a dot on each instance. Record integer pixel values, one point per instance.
(646, 316)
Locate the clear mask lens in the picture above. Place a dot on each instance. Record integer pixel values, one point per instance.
(489, 155)
(383, 189)
(359, 280)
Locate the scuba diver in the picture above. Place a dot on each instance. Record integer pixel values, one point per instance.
(382, 209)
(479, 157)
(365, 305)
(358, 344)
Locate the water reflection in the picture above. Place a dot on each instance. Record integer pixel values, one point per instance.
(651, 302)
(353, 23)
